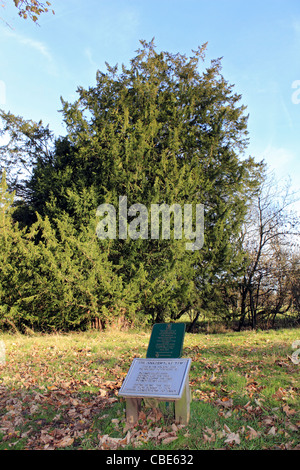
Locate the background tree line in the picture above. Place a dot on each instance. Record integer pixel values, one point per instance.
(163, 130)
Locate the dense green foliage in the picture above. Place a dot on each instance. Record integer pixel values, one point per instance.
(160, 131)
(54, 277)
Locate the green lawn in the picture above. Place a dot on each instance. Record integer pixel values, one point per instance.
(61, 392)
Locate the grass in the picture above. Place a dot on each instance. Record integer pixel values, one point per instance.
(61, 391)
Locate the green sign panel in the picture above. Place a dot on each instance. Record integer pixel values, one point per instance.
(166, 340)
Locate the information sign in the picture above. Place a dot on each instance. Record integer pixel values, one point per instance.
(166, 340)
(156, 378)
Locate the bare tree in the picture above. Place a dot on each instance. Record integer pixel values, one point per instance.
(270, 239)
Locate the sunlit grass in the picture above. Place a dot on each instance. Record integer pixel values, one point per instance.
(250, 372)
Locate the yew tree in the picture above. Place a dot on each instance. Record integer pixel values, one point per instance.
(165, 128)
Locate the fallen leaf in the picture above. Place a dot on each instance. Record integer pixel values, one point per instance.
(213, 378)
(126, 440)
(233, 438)
(154, 433)
(155, 415)
(209, 435)
(65, 442)
(272, 431)
(226, 428)
(209, 430)
(226, 402)
(268, 421)
(169, 439)
(288, 411)
(253, 434)
(45, 438)
(279, 394)
(166, 434)
(174, 427)
(292, 427)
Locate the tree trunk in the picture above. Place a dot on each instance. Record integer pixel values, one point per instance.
(191, 326)
(243, 308)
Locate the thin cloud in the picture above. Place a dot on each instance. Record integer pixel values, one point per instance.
(26, 41)
(88, 54)
(37, 45)
(34, 46)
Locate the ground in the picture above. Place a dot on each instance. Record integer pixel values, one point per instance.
(60, 391)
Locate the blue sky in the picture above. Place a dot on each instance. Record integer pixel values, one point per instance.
(258, 40)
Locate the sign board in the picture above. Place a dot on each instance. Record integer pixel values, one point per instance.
(166, 340)
(156, 378)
